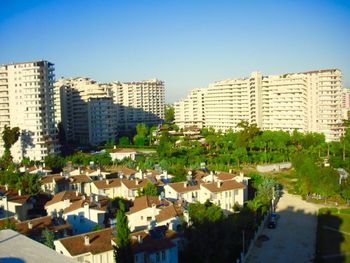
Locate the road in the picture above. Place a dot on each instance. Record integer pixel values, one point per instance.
(294, 238)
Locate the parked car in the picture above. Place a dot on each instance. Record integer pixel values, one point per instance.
(272, 221)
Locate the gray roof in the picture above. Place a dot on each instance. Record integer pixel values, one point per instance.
(17, 248)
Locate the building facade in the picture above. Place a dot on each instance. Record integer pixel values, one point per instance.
(93, 113)
(27, 102)
(307, 101)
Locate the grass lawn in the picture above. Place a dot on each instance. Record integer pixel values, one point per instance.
(333, 235)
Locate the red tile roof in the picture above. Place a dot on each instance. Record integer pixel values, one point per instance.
(183, 187)
(61, 196)
(107, 183)
(224, 186)
(100, 241)
(144, 202)
(168, 212)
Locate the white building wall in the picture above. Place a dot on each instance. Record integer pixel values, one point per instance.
(27, 102)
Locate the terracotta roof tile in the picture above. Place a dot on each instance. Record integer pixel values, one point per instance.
(13, 195)
(183, 187)
(61, 196)
(135, 184)
(223, 176)
(123, 150)
(156, 240)
(224, 186)
(168, 212)
(107, 183)
(82, 178)
(144, 202)
(100, 241)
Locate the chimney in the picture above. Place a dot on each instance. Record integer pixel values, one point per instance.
(6, 187)
(96, 198)
(107, 182)
(241, 174)
(218, 184)
(137, 181)
(79, 170)
(139, 239)
(76, 193)
(114, 147)
(185, 184)
(30, 225)
(230, 171)
(61, 173)
(86, 240)
(91, 198)
(212, 176)
(19, 192)
(83, 197)
(166, 174)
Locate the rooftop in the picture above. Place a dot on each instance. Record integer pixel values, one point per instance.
(30, 251)
(99, 241)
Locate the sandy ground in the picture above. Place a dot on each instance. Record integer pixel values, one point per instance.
(294, 238)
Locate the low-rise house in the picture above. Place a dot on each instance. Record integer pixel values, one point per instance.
(125, 172)
(170, 216)
(33, 228)
(80, 183)
(92, 247)
(156, 245)
(129, 188)
(186, 191)
(86, 213)
(53, 184)
(152, 210)
(107, 187)
(121, 153)
(14, 203)
(40, 169)
(145, 209)
(60, 201)
(225, 194)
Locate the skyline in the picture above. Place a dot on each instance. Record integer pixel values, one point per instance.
(187, 45)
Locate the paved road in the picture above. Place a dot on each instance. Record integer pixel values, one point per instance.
(294, 238)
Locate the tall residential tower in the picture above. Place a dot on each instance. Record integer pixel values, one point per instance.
(307, 101)
(27, 102)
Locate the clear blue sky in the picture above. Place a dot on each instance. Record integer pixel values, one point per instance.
(188, 44)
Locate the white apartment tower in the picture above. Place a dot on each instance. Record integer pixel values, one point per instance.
(139, 102)
(86, 111)
(27, 102)
(308, 102)
(193, 110)
(93, 113)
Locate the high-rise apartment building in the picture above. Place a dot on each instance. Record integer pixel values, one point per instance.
(92, 113)
(346, 103)
(193, 109)
(307, 101)
(26, 102)
(139, 102)
(86, 111)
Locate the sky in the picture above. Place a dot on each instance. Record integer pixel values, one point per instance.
(187, 44)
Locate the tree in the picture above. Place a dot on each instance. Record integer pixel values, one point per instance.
(149, 189)
(48, 237)
(169, 114)
(122, 251)
(29, 183)
(8, 224)
(124, 141)
(55, 162)
(9, 137)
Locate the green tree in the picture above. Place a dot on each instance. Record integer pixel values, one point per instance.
(48, 237)
(149, 189)
(122, 251)
(29, 183)
(55, 162)
(8, 224)
(169, 114)
(9, 137)
(124, 141)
